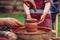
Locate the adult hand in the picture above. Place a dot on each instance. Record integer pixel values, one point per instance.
(12, 22)
(30, 4)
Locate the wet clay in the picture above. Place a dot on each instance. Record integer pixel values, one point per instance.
(31, 25)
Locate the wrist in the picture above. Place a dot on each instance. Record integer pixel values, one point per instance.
(43, 14)
(28, 15)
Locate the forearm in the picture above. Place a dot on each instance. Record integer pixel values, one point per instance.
(26, 9)
(47, 8)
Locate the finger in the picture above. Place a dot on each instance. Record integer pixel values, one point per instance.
(18, 23)
(27, 4)
(34, 6)
(14, 26)
(41, 21)
(31, 4)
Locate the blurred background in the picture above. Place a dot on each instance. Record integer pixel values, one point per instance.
(14, 8)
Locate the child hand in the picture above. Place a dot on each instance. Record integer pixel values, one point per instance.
(42, 19)
(29, 17)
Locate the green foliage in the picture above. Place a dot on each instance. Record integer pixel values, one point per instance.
(19, 16)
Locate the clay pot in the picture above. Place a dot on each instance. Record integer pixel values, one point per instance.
(31, 25)
(31, 20)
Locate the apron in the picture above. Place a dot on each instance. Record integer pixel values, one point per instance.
(37, 15)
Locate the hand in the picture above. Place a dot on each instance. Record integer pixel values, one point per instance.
(12, 22)
(42, 19)
(29, 17)
(30, 3)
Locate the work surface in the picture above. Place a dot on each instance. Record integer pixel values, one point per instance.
(39, 35)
